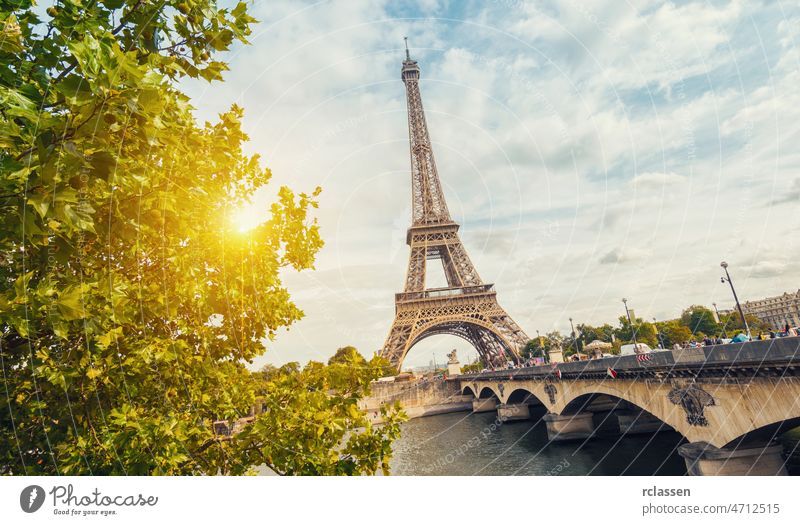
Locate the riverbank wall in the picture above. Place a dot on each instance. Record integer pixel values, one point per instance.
(418, 398)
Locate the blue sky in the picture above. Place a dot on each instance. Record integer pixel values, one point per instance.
(590, 151)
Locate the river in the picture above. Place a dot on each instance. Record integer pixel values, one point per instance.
(476, 444)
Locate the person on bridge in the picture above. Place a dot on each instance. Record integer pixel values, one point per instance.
(740, 338)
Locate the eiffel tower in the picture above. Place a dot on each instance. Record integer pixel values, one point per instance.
(467, 307)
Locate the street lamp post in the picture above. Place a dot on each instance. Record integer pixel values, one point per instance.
(574, 339)
(541, 346)
(735, 297)
(658, 333)
(633, 330)
(719, 320)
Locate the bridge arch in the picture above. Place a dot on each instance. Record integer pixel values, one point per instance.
(607, 396)
(595, 402)
(487, 393)
(523, 395)
(467, 391)
(765, 433)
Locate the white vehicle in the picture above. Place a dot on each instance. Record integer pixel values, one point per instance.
(630, 350)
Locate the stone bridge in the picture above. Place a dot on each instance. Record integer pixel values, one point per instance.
(729, 402)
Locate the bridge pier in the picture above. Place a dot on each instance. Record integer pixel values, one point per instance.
(517, 412)
(703, 459)
(564, 428)
(639, 422)
(484, 405)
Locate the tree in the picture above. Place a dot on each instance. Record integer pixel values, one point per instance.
(645, 332)
(673, 332)
(470, 368)
(732, 323)
(534, 348)
(590, 333)
(347, 354)
(699, 319)
(129, 303)
(312, 424)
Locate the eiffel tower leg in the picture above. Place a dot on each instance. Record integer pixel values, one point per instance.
(489, 348)
(415, 276)
(395, 347)
(511, 332)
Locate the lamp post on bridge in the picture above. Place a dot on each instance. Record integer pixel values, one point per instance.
(541, 346)
(633, 330)
(719, 321)
(735, 297)
(658, 333)
(574, 338)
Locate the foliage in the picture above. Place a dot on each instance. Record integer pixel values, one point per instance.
(673, 332)
(129, 304)
(645, 332)
(699, 320)
(312, 424)
(347, 354)
(471, 368)
(590, 333)
(552, 341)
(534, 348)
(732, 323)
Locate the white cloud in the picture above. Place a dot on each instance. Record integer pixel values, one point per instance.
(656, 181)
(624, 255)
(589, 152)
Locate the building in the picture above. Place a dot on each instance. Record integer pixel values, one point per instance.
(776, 311)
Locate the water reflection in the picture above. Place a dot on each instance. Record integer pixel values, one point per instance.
(476, 444)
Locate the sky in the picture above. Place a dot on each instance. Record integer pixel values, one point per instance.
(590, 151)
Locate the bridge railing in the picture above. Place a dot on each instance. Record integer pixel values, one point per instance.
(773, 352)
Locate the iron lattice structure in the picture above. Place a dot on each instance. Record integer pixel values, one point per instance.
(466, 307)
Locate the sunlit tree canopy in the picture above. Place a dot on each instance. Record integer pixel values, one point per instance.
(131, 302)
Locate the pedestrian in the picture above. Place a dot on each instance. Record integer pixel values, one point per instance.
(740, 338)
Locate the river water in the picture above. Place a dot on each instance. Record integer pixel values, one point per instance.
(476, 444)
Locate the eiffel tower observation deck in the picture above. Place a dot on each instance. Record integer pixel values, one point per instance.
(467, 307)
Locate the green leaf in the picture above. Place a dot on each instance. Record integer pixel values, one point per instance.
(75, 89)
(40, 202)
(70, 303)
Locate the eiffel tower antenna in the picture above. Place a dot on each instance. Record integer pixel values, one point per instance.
(467, 307)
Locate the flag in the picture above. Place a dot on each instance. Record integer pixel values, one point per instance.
(556, 371)
(611, 373)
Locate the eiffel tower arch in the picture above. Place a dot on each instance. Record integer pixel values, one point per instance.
(467, 307)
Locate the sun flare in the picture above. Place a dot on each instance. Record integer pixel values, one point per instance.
(248, 217)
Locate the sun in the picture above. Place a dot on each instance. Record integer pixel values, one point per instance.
(248, 217)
